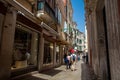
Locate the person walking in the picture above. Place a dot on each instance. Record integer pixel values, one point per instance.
(73, 61)
(66, 60)
(65, 57)
(69, 61)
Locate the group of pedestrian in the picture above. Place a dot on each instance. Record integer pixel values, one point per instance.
(70, 61)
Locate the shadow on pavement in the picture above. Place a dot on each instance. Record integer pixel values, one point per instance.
(52, 72)
(29, 77)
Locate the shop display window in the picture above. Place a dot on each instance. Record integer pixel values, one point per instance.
(48, 52)
(57, 54)
(25, 48)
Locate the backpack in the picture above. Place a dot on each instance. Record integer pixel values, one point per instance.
(73, 57)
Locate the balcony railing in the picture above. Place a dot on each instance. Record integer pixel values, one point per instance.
(43, 6)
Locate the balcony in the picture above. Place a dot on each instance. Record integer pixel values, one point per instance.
(46, 13)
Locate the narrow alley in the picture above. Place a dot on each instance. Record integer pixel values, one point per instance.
(39, 39)
(83, 72)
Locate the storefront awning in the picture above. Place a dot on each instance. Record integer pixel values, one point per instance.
(63, 42)
(52, 31)
(53, 39)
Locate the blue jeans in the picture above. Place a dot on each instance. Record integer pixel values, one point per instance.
(68, 64)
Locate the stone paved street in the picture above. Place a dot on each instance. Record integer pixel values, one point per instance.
(83, 72)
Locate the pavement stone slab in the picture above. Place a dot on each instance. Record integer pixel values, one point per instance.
(82, 72)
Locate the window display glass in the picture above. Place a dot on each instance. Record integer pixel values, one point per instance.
(48, 52)
(25, 48)
(57, 54)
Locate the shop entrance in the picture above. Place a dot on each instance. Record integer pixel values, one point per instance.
(25, 50)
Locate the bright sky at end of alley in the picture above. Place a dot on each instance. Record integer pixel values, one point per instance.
(79, 14)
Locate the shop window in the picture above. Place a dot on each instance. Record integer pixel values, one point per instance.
(48, 52)
(57, 54)
(25, 48)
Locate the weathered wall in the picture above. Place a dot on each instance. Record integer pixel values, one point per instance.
(97, 38)
(104, 38)
(7, 44)
(113, 28)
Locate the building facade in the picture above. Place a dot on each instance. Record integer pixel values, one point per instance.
(68, 25)
(103, 21)
(80, 39)
(69, 21)
(86, 40)
(74, 36)
(30, 36)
